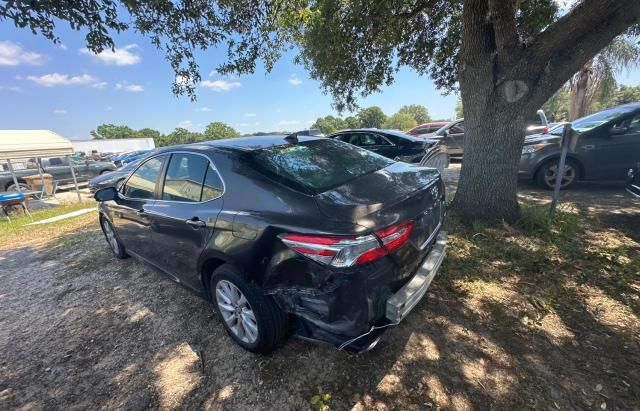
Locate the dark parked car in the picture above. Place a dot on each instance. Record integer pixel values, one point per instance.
(397, 146)
(113, 178)
(633, 182)
(427, 128)
(605, 145)
(452, 135)
(308, 235)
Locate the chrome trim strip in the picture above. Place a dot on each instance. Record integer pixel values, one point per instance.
(426, 242)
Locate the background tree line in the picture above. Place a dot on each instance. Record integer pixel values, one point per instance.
(214, 131)
(406, 118)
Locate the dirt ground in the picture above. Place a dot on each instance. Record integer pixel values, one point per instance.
(82, 330)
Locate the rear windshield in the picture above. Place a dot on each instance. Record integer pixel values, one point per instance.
(316, 166)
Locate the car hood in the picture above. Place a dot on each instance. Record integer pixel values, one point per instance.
(106, 177)
(541, 138)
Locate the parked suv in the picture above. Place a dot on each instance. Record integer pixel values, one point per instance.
(305, 235)
(452, 135)
(605, 145)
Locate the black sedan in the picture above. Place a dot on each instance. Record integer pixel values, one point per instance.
(306, 235)
(398, 146)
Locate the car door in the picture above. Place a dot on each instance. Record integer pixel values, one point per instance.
(454, 140)
(612, 149)
(377, 143)
(184, 217)
(130, 210)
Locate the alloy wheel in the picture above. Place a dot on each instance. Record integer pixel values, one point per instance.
(111, 237)
(551, 174)
(236, 311)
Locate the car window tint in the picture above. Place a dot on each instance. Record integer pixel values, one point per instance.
(142, 182)
(629, 124)
(367, 139)
(316, 166)
(457, 128)
(184, 178)
(421, 131)
(212, 187)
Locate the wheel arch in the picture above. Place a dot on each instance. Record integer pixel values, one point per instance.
(208, 264)
(10, 183)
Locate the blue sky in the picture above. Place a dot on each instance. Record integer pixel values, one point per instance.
(70, 91)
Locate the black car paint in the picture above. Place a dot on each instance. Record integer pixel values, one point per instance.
(242, 227)
(397, 145)
(599, 154)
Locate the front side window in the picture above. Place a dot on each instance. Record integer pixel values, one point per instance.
(628, 125)
(142, 183)
(457, 128)
(373, 140)
(185, 175)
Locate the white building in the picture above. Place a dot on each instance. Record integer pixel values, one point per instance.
(113, 145)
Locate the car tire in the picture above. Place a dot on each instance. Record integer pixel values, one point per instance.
(546, 175)
(23, 187)
(112, 239)
(105, 171)
(252, 319)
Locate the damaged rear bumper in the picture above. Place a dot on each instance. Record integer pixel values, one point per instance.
(403, 301)
(353, 309)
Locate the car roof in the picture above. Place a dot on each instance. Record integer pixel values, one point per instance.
(240, 143)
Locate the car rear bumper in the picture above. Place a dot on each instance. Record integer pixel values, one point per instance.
(403, 301)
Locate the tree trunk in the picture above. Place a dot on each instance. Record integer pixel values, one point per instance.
(488, 180)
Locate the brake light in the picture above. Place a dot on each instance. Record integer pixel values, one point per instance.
(344, 251)
(545, 130)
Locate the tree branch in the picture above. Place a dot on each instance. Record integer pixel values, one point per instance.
(502, 14)
(565, 46)
(419, 8)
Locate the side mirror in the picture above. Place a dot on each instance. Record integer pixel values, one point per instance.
(106, 194)
(617, 131)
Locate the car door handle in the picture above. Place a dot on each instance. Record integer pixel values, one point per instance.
(589, 147)
(196, 223)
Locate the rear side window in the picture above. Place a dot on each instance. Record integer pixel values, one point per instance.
(316, 166)
(185, 175)
(142, 182)
(212, 187)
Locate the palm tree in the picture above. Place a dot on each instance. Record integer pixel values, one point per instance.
(597, 76)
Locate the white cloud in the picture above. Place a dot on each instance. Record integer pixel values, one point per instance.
(12, 54)
(109, 108)
(310, 121)
(294, 81)
(59, 111)
(185, 124)
(242, 125)
(249, 114)
(288, 122)
(205, 109)
(116, 57)
(100, 85)
(220, 85)
(62, 46)
(57, 79)
(15, 89)
(132, 88)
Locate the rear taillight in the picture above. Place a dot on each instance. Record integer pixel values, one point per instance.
(545, 130)
(342, 251)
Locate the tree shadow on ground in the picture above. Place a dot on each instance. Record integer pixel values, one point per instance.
(506, 325)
